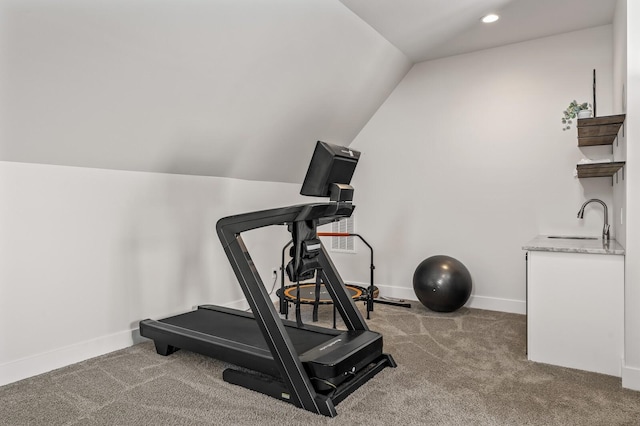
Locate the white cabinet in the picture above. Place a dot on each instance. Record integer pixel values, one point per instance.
(575, 310)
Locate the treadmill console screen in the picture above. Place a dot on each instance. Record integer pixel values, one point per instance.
(330, 164)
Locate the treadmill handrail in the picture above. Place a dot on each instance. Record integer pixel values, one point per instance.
(292, 372)
(323, 212)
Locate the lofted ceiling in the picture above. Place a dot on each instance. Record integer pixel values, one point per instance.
(233, 88)
(431, 29)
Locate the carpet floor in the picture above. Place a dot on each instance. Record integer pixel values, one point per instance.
(463, 368)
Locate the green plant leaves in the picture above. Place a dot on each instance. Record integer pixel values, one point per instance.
(572, 112)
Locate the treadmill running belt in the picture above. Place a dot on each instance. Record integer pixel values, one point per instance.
(242, 329)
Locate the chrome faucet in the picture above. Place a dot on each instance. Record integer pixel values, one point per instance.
(605, 228)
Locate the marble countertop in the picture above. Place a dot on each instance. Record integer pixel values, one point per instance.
(568, 245)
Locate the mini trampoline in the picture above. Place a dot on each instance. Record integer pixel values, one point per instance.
(309, 294)
(316, 294)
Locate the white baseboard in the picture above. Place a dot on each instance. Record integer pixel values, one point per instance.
(630, 377)
(393, 292)
(476, 302)
(497, 304)
(240, 304)
(42, 363)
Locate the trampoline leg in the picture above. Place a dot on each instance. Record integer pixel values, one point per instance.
(317, 302)
(334, 316)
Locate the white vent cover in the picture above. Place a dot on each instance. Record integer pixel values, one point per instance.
(345, 244)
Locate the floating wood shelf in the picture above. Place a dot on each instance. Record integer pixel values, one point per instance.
(599, 130)
(599, 169)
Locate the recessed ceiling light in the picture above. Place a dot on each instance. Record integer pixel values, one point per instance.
(492, 17)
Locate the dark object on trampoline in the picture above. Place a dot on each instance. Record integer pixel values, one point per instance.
(316, 294)
(442, 283)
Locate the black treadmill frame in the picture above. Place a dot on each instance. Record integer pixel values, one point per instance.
(292, 372)
(293, 383)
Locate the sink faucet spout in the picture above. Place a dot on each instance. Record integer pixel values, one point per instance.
(605, 228)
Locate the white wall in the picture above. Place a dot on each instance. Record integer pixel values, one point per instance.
(631, 369)
(467, 158)
(619, 107)
(87, 253)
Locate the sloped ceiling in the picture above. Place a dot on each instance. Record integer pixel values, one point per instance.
(235, 88)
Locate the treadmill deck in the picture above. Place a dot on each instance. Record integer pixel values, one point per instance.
(234, 336)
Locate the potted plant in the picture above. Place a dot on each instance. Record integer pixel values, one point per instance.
(575, 110)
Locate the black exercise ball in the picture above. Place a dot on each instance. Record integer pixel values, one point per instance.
(442, 283)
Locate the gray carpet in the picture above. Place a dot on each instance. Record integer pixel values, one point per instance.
(463, 368)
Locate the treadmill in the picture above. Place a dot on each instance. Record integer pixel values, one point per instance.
(309, 366)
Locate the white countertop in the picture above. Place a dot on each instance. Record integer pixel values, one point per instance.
(568, 245)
